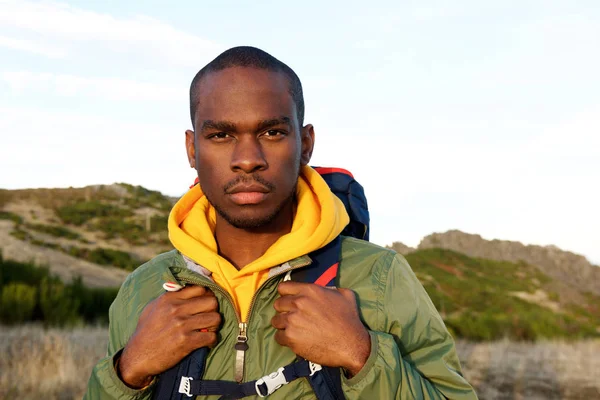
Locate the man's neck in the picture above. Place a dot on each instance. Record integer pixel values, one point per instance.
(241, 247)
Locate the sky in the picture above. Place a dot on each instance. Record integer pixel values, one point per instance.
(469, 115)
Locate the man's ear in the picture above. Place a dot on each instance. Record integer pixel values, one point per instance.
(307, 139)
(190, 147)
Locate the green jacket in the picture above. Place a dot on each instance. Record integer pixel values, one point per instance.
(412, 354)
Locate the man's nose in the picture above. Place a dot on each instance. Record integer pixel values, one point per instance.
(248, 155)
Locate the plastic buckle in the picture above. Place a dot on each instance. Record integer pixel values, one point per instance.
(185, 385)
(273, 382)
(314, 367)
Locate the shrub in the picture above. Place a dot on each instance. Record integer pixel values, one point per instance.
(17, 303)
(17, 219)
(27, 273)
(142, 197)
(103, 256)
(83, 211)
(93, 302)
(119, 227)
(159, 223)
(55, 230)
(20, 234)
(133, 231)
(117, 258)
(57, 305)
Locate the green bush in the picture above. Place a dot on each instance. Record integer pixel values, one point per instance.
(55, 230)
(142, 197)
(117, 258)
(93, 302)
(17, 219)
(27, 273)
(57, 305)
(119, 227)
(20, 234)
(133, 231)
(103, 256)
(159, 223)
(81, 212)
(17, 303)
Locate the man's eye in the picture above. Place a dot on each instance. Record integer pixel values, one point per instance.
(220, 135)
(274, 133)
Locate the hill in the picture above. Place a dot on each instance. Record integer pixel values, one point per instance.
(99, 232)
(570, 269)
(486, 299)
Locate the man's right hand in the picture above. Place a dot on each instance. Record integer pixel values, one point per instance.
(167, 331)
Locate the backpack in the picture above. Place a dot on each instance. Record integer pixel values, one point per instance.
(184, 379)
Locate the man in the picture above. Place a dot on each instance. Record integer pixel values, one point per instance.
(259, 208)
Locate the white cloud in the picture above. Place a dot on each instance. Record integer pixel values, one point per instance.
(60, 149)
(71, 26)
(73, 86)
(32, 46)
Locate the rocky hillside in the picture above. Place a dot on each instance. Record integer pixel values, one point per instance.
(98, 232)
(564, 266)
(569, 268)
(487, 299)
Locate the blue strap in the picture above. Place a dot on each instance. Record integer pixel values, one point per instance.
(322, 259)
(261, 387)
(167, 386)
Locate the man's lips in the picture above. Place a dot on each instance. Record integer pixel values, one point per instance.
(245, 198)
(244, 194)
(248, 187)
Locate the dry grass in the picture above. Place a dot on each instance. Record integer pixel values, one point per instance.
(49, 364)
(523, 371)
(55, 364)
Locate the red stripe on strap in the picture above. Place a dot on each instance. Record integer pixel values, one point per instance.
(328, 275)
(324, 170)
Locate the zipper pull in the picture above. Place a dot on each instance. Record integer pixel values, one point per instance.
(240, 351)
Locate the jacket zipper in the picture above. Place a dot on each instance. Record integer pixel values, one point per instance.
(240, 352)
(241, 345)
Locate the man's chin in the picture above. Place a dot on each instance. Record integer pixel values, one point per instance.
(248, 220)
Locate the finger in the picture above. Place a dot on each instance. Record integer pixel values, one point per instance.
(292, 288)
(279, 321)
(202, 304)
(203, 339)
(348, 294)
(191, 291)
(286, 303)
(281, 338)
(209, 321)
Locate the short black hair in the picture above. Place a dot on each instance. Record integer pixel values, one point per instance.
(251, 57)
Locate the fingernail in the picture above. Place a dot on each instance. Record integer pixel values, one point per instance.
(171, 287)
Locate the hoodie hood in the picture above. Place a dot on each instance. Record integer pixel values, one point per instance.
(320, 217)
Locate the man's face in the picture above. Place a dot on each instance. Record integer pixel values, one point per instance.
(248, 145)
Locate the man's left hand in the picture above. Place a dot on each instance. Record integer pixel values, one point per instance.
(321, 325)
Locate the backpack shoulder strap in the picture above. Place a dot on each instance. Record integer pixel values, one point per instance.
(170, 382)
(323, 267)
(326, 383)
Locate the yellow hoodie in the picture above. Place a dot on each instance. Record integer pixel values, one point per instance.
(320, 218)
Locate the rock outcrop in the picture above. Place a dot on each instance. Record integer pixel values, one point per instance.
(570, 268)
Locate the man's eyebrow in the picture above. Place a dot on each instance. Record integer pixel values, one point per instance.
(225, 126)
(269, 123)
